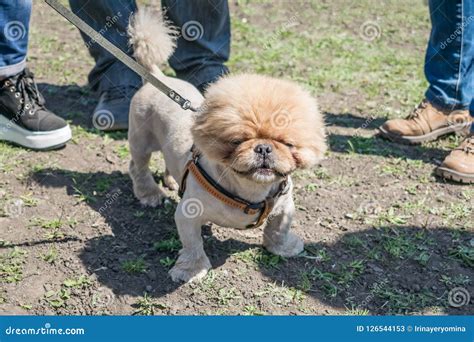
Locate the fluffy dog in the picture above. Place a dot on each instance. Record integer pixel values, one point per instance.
(252, 132)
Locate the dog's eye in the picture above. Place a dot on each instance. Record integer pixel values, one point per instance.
(236, 142)
(290, 145)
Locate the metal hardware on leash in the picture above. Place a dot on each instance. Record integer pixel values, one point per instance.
(120, 55)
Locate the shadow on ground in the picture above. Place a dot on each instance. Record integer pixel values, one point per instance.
(388, 270)
(75, 104)
(71, 102)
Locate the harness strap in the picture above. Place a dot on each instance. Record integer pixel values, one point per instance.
(212, 187)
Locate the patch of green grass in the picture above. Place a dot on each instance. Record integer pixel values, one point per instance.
(29, 200)
(332, 282)
(412, 189)
(399, 246)
(102, 185)
(139, 213)
(349, 272)
(225, 296)
(343, 181)
(81, 133)
(146, 307)
(391, 216)
(47, 224)
(11, 265)
(53, 227)
(350, 63)
(9, 156)
(355, 311)
(328, 279)
(81, 193)
(403, 302)
(322, 173)
(134, 266)
(362, 145)
(317, 253)
(311, 187)
(122, 151)
(260, 257)
(167, 262)
(464, 253)
(423, 258)
(282, 296)
(354, 242)
(3, 298)
(393, 167)
(457, 280)
(58, 299)
(467, 194)
(456, 213)
(251, 310)
(26, 306)
(305, 283)
(81, 282)
(171, 244)
(415, 207)
(51, 255)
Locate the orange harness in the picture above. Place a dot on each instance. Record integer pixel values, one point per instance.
(212, 187)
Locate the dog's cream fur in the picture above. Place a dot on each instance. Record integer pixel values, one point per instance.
(239, 113)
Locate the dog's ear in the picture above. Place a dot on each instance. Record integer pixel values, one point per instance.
(207, 132)
(308, 156)
(311, 135)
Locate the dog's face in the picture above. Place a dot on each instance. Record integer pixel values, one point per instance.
(259, 127)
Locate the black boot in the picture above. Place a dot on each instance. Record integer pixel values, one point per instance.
(24, 119)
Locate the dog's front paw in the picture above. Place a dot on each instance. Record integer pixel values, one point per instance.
(169, 182)
(291, 246)
(152, 198)
(190, 270)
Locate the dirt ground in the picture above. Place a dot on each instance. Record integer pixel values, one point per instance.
(383, 234)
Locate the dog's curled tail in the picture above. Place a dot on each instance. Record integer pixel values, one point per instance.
(153, 38)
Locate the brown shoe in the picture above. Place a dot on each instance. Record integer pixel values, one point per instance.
(459, 164)
(426, 123)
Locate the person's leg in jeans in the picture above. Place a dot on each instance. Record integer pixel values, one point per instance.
(24, 119)
(197, 59)
(14, 22)
(450, 73)
(114, 82)
(204, 44)
(450, 54)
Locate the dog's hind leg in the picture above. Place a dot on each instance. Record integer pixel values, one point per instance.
(144, 186)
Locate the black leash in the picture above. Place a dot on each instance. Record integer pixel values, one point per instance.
(119, 54)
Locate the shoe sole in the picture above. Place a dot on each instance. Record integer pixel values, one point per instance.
(455, 175)
(11, 132)
(416, 140)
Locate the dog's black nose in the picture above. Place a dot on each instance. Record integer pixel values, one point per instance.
(263, 149)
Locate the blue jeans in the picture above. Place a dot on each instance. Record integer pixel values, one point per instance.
(449, 64)
(198, 61)
(204, 44)
(14, 27)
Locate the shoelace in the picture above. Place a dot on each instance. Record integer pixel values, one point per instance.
(32, 99)
(416, 113)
